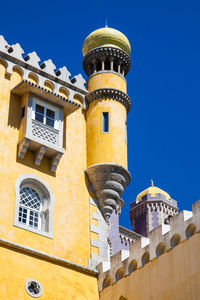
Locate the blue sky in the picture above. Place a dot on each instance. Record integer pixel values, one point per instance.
(163, 83)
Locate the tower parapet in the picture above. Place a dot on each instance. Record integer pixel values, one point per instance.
(161, 240)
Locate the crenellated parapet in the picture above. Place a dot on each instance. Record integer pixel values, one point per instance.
(163, 238)
(59, 79)
(47, 96)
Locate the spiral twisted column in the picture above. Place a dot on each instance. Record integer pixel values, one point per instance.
(109, 182)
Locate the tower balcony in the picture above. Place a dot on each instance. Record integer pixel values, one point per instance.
(106, 59)
(44, 141)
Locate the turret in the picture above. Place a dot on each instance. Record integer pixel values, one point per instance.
(152, 208)
(106, 61)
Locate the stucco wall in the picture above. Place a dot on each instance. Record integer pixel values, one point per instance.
(57, 281)
(71, 208)
(174, 275)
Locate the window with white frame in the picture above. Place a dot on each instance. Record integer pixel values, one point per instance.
(45, 113)
(30, 207)
(34, 205)
(45, 124)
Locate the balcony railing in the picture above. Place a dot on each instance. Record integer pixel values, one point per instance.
(45, 132)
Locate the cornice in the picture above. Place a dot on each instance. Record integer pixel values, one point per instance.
(111, 94)
(48, 257)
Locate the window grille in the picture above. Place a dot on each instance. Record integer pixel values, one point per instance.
(29, 207)
(34, 205)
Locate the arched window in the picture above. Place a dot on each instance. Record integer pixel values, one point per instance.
(30, 207)
(34, 205)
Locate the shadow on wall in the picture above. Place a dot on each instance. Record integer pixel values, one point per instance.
(29, 162)
(14, 111)
(89, 187)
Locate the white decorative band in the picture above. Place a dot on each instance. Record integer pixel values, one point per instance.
(49, 257)
(108, 93)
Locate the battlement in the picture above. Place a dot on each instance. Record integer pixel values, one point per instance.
(163, 238)
(13, 56)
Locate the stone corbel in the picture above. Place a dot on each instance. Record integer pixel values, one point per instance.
(22, 148)
(55, 161)
(39, 155)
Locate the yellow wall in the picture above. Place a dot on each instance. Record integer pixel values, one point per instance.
(173, 276)
(58, 282)
(106, 147)
(71, 209)
(106, 80)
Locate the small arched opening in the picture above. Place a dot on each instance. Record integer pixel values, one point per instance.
(64, 92)
(107, 65)
(119, 274)
(160, 249)
(49, 85)
(115, 67)
(17, 76)
(145, 258)
(190, 230)
(98, 66)
(132, 266)
(91, 68)
(106, 282)
(78, 98)
(175, 240)
(33, 78)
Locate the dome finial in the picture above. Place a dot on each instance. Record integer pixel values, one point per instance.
(152, 184)
(106, 25)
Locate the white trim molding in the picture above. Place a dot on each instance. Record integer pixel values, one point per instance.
(48, 203)
(38, 286)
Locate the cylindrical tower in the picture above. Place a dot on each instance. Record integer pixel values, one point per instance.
(106, 61)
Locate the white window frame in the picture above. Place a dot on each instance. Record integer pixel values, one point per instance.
(44, 189)
(29, 209)
(46, 106)
(58, 123)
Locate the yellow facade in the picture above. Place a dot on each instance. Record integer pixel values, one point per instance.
(71, 206)
(58, 281)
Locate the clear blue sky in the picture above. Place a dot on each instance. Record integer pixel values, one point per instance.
(163, 83)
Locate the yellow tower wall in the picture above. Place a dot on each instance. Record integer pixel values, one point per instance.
(106, 80)
(108, 147)
(111, 146)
